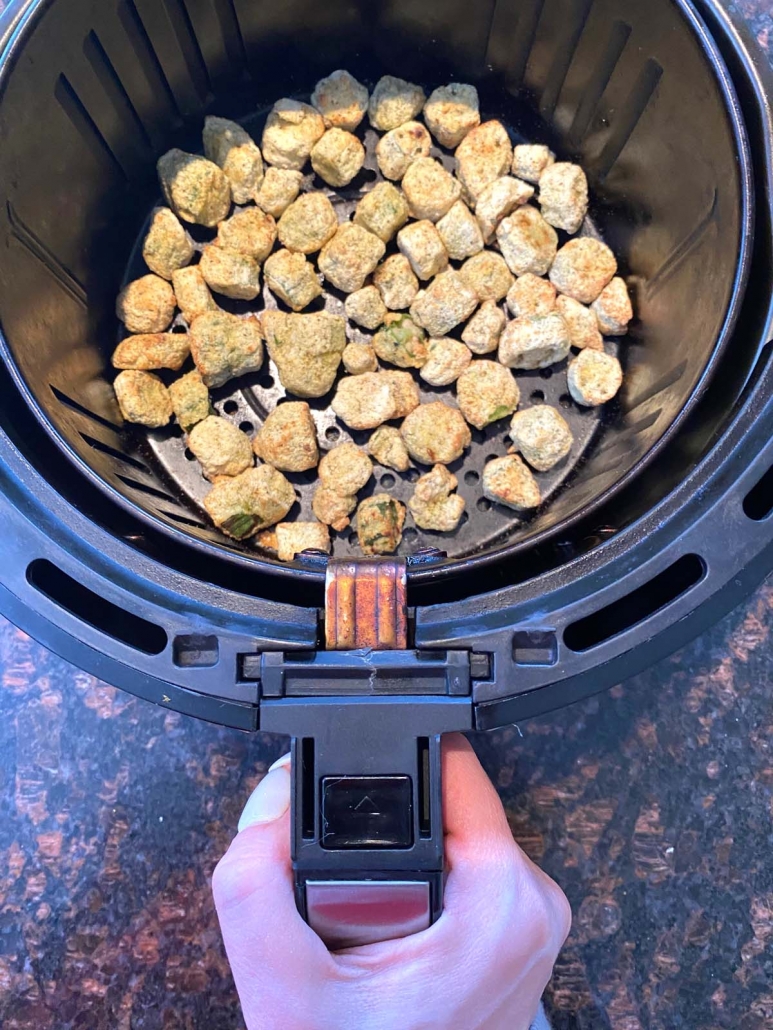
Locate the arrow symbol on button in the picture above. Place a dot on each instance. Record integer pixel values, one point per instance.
(367, 806)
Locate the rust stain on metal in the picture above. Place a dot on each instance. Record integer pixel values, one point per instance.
(365, 605)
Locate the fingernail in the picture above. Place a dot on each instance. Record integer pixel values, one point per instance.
(281, 763)
(269, 801)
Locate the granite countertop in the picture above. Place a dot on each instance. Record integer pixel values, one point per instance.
(652, 804)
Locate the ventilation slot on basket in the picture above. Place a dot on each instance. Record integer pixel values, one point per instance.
(600, 79)
(640, 604)
(183, 519)
(232, 32)
(74, 108)
(684, 249)
(189, 45)
(565, 55)
(145, 488)
(95, 610)
(758, 503)
(628, 117)
(195, 651)
(114, 89)
(146, 56)
(535, 648)
(70, 403)
(50, 262)
(105, 448)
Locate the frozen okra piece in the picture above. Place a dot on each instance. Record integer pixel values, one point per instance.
(249, 231)
(563, 196)
(436, 433)
(594, 378)
(359, 358)
(288, 438)
(190, 400)
(542, 435)
(366, 308)
(451, 112)
(307, 224)
(613, 308)
(365, 401)
(399, 148)
(431, 191)
(230, 273)
(292, 278)
(485, 154)
(143, 398)
(448, 301)
(167, 246)
(147, 305)
(447, 360)
(582, 269)
(220, 447)
(278, 190)
(582, 324)
(380, 521)
(434, 506)
(420, 242)
(292, 129)
(388, 448)
(486, 392)
(395, 281)
(306, 349)
(345, 469)
(482, 332)
(337, 157)
(382, 211)
(531, 295)
(530, 343)
(527, 242)
(460, 232)
(508, 481)
(293, 538)
(225, 346)
(232, 148)
(195, 189)
(192, 292)
(333, 509)
(401, 342)
(150, 351)
(341, 100)
(530, 160)
(243, 505)
(405, 392)
(350, 256)
(487, 276)
(499, 199)
(393, 103)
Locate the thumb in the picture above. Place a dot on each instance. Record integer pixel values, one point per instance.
(253, 890)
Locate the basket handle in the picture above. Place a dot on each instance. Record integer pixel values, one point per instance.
(366, 717)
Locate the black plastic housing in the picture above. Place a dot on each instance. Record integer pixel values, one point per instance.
(616, 581)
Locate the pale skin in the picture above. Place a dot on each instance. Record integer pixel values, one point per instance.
(482, 966)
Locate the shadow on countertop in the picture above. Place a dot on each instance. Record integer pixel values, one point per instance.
(651, 804)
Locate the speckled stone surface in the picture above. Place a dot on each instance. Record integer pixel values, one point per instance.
(651, 804)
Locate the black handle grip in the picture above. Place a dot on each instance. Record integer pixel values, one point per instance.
(367, 820)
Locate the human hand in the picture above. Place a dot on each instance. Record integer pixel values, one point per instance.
(482, 966)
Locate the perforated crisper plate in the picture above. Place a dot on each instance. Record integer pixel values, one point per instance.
(248, 400)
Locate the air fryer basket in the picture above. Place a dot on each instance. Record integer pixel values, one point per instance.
(100, 89)
(105, 561)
